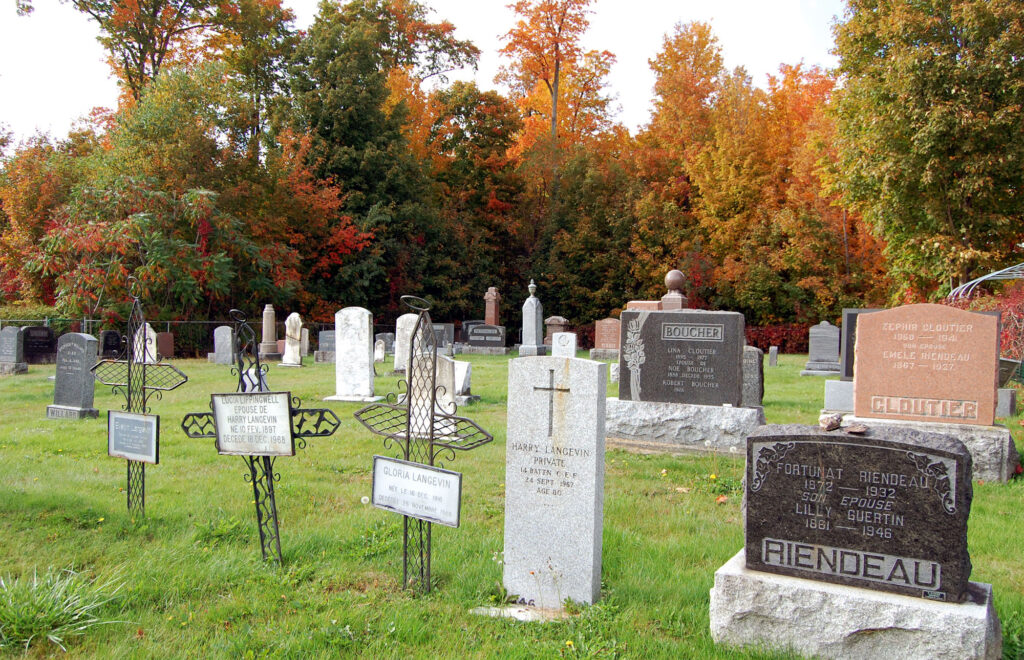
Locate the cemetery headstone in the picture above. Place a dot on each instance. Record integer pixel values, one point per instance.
(773, 356)
(554, 324)
(613, 372)
(533, 325)
(325, 347)
(823, 349)
(848, 339)
(753, 376)
(165, 345)
(463, 379)
(223, 345)
(379, 354)
(563, 344)
(40, 345)
(445, 333)
(554, 480)
(268, 347)
(292, 341)
(467, 327)
(389, 341)
(144, 344)
(12, 351)
(110, 343)
(304, 342)
(682, 357)
(74, 385)
(403, 340)
(674, 299)
(492, 306)
(487, 336)
(606, 340)
(927, 363)
(353, 369)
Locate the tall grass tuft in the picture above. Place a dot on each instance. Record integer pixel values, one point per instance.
(55, 606)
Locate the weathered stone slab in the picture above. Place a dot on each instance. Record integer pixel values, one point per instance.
(554, 480)
(563, 344)
(404, 327)
(848, 339)
(492, 306)
(12, 351)
(40, 344)
(444, 334)
(679, 428)
(886, 510)
(993, 452)
(304, 342)
(928, 363)
(388, 339)
(268, 346)
(74, 385)
(819, 619)
(379, 351)
(753, 376)
(144, 345)
(325, 340)
(823, 350)
(1006, 402)
(604, 354)
(353, 342)
(292, 355)
(682, 357)
(223, 345)
(839, 395)
(773, 356)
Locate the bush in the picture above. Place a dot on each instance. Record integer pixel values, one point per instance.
(789, 337)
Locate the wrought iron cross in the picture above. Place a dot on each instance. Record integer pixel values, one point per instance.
(551, 389)
(420, 429)
(136, 379)
(305, 422)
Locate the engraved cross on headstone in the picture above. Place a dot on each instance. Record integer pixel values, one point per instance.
(137, 379)
(551, 389)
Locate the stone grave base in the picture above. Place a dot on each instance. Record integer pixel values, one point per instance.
(604, 354)
(839, 395)
(679, 427)
(821, 369)
(463, 399)
(323, 356)
(521, 613)
(289, 364)
(362, 399)
(820, 619)
(993, 454)
(528, 351)
(1006, 402)
(485, 350)
(69, 412)
(271, 356)
(12, 368)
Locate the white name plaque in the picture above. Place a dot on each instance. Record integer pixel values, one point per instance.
(253, 423)
(133, 436)
(417, 490)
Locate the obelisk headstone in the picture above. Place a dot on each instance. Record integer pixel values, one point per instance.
(533, 325)
(268, 347)
(554, 480)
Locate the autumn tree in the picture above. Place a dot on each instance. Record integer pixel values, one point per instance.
(931, 134)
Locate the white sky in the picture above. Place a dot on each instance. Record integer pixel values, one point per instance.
(53, 71)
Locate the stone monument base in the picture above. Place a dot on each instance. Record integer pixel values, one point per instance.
(463, 399)
(821, 369)
(323, 356)
(288, 364)
(485, 350)
(679, 427)
(820, 619)
(993, 454)
(522, 613)
(604, 354)
(13, 368)
(70, 412)
(360, 399)
(839, 395)
(528, 351)
(271, 356)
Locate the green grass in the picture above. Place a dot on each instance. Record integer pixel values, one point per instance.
(194, 585)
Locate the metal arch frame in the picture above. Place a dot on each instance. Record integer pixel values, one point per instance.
(967, 290)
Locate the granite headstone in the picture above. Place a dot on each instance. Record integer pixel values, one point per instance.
(553, 324)
(848, 339)
(753, 376)
(165, 345)
(563, 344)
(12, 351)
(823, 350)
(533, 325)
(74, 384)
(554, 480)
(40, 345)
(492, 306)
(487, 335)
(325, 347)
(606, 340)
(223, 345)
(773, 356)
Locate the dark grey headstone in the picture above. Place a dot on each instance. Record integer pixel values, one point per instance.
(487, 335)
(165, 345)
(468, 326)
(444, 334)
(12, 345)
(40, 345)
(848, 339)
(74, 383)
(110, 343)
(325, 340)
(753, 376)
(685, 356)
(823, 350)
(885, 511)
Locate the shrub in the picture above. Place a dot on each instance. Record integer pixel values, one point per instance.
(789, 337)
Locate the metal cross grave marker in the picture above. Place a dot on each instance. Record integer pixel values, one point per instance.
(422, 433)
(137, 379)
(295, 423)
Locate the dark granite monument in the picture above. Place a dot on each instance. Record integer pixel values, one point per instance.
(165, 345)
(467, 327)
(110, 344)
(12, 351)
(684, 356)
(40, 345)
(886, 510)
(848, 339)
(487, 335)
(74, 384)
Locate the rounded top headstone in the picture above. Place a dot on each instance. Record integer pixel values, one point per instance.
(674, 281)
(532, 288)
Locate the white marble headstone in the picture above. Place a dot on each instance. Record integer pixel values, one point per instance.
(292, 341)
(463, 376)
(144, 345)
(403, 339)
(563, 344)
(554, 480)
(353, 346)
(379, 351)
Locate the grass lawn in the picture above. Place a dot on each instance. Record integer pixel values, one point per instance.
(194, 584)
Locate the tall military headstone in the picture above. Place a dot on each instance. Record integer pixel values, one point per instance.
(533, 325)
(554, 480)
(74, 384)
